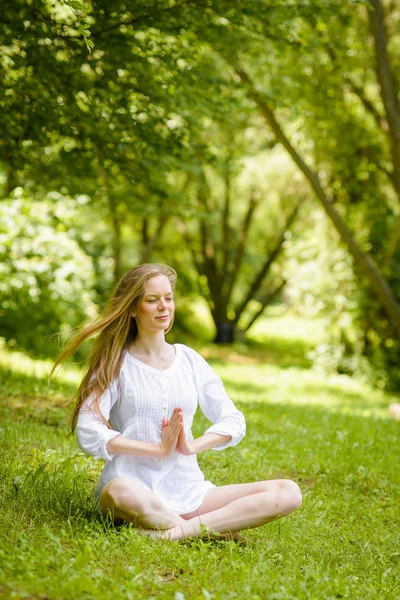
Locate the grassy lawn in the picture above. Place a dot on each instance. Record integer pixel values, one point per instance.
(329, 433)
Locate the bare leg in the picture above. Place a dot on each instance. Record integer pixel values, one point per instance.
(236, 507)
(224, 509)
(128, 500)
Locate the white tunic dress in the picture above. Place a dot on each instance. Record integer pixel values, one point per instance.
(136, 409)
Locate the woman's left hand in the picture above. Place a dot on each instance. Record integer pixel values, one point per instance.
(183, 446)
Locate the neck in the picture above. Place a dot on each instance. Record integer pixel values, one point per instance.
(152, 345)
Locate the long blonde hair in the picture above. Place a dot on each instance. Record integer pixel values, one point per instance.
(116, 329)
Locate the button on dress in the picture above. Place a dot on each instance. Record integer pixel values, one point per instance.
(135, 407)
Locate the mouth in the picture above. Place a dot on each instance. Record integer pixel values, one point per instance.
(162, 318)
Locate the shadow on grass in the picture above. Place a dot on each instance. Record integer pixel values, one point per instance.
(328, 397)
(29, 398)
(30, 384)
(302, 437)
(284, 353)
(306, 444)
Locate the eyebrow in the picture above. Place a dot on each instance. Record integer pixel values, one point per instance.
(155, 295)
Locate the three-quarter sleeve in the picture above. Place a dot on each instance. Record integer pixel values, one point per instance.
(92, 434)
(217, 406)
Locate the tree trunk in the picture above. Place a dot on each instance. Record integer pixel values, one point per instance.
(149, 241)
(378, 283)
(225, 332)
(266, 302)
(255, 285)
(116, 240)
(387, 84)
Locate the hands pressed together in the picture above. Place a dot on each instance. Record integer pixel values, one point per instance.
(173, 435)
(173, 439)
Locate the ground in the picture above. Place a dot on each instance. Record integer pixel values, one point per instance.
(329, 433)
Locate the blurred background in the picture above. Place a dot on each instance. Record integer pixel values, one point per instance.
(254, 146)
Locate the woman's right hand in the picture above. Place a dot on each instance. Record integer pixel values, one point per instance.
(170, 431)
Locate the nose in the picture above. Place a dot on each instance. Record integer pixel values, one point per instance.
(162, 304)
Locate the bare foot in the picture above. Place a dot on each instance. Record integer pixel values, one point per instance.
(155, 534)
(230, 535)
(165, 534)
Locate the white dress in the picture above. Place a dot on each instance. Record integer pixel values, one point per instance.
(136, 407)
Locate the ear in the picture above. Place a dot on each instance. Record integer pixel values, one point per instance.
(133, 315)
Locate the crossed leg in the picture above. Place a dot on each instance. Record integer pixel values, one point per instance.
(128, 500)
(233, 508)
(224, 509)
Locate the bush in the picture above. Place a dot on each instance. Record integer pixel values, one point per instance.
(46, 280)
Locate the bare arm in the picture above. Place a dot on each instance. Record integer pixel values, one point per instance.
(171, 429)
(202, 443)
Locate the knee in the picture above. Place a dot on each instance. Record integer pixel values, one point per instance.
(121, 495)
(290, 496)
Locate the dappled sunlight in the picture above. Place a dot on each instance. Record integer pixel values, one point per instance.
(287, 353)
(22, 364)
(254, 148)
(293, 386)
(299, 427)
(274, 368)
(248, 377)
(276, 338)
(278, 322)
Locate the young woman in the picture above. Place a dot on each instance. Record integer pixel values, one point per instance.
(135, 408)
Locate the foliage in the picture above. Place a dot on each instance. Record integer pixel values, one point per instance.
(356, 169)
(243, 219)
(323, 283)
(342, 131)
(127, 102)
(328, 433)
(46, 279)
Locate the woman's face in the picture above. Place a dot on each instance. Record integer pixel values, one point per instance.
(155, 309)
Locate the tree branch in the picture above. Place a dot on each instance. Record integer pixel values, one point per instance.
(368, 105)
(198, 263)
(394, 240)
(387, 84)
(142, 17)
(115, 217)
(251, 207)
(226, 237)
(365, 262)
(360, 93)
(153, 239)
(268, 298)
(145, 231)
(258, 279)
(207, 243)
(389, 174)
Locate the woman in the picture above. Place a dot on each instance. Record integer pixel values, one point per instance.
(135, 408)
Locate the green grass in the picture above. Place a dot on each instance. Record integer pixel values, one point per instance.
(330, 434)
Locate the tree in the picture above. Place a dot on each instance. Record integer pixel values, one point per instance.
(113, 121)
(46, 279)
(238, 241)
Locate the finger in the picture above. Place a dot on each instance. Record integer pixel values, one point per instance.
(175, 426)
(178, 414)
(175, 417)
(176, 430)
